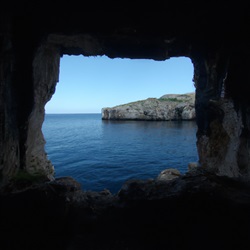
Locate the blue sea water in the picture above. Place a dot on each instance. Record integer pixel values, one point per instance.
(104, 154)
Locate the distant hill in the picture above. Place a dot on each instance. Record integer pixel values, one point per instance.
(167, 107)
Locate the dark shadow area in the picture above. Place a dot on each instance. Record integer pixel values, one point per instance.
(196, 211)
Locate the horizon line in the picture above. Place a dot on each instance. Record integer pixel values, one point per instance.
(73, 113)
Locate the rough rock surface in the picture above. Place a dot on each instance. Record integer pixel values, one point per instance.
(194, 211)
(166, 108)
(224, 148)
(168, 174)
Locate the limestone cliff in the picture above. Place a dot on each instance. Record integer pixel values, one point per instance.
(166, 108)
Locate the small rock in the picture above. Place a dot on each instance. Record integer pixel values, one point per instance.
(168, 174)
(105, 192)
(136, 189)
(192, 166)
(66, 184)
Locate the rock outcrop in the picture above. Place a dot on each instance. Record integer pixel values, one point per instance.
(166, 108)
(192, 211)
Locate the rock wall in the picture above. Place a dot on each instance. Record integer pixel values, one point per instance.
(166, 108)
(222, 146)
(221, 104)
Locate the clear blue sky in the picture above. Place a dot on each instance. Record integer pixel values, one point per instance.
(87, 84)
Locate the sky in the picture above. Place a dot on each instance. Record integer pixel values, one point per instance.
(88, 84)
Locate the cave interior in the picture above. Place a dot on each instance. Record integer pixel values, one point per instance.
(208, 208)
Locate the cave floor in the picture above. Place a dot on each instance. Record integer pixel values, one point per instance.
(198, 210)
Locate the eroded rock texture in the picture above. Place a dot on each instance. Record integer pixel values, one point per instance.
(167, 108)
(194, 211)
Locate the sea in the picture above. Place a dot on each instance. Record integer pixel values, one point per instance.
(103, 154)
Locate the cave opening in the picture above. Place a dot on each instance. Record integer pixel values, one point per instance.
(103, 154)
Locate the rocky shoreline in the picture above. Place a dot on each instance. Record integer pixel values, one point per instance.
(169, 107)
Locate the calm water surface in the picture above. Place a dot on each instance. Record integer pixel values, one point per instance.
(104, 154)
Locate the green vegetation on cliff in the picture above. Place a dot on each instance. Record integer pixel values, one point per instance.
(167, 107)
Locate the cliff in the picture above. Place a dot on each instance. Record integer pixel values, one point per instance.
(166, 108)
